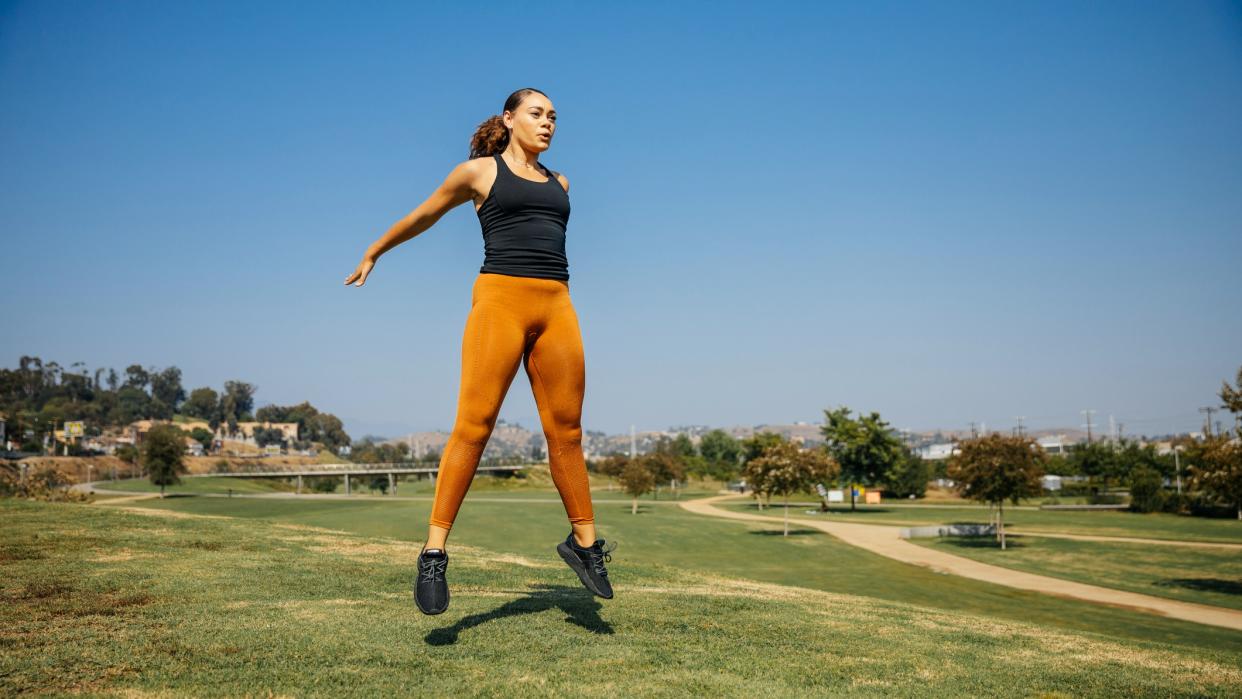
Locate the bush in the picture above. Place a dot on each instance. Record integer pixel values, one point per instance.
(1106, 499)
(44, 483)
(1146, 490)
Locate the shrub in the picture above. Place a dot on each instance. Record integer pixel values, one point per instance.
(44, 483)
(1146, 490)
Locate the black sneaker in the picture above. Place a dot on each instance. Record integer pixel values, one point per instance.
(431, 592)
(588, 563)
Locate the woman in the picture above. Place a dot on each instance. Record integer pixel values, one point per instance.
(521, 312)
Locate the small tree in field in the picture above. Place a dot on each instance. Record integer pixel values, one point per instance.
(788, 468)
(163, 452)
(637, 480)
(996, 468)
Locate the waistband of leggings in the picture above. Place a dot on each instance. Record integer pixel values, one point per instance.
(532, 284)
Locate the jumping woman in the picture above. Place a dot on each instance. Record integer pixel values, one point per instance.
(520, 313)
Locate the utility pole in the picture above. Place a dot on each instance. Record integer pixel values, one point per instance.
(1088, 413)
(1020, 418)
(974, 433)
(1207, 423)
(1177, 461)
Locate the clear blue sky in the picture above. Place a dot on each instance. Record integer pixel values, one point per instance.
(944, 212)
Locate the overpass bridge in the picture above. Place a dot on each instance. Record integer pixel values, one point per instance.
(348, 471)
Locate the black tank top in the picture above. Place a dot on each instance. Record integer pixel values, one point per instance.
(524, 226)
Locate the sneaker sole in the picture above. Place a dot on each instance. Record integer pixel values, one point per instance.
(431, 613)
(572, 560)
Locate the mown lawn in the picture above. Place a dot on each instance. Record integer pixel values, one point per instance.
(111, 599)
(670, 536)
(1206, 576)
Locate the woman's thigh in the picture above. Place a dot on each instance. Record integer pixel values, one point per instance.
(556, 366)
(491, 350)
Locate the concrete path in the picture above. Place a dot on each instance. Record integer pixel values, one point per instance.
(885, 541)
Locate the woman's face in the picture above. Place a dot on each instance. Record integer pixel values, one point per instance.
(533, 124)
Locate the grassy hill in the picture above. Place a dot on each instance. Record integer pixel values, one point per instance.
(103, 600)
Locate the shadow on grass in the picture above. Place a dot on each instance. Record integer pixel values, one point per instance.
(983, 542)
(1228, 587)
(779, 507)
(582, 607)
(781, 532)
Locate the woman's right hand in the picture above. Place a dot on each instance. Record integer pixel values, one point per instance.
(360, 275)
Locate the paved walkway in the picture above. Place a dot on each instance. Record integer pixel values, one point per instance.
(885, 541)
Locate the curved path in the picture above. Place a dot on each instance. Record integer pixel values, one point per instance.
(885, 541)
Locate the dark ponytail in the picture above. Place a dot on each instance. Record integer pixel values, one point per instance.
(491, 137)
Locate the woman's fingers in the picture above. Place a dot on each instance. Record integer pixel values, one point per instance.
(359, 276)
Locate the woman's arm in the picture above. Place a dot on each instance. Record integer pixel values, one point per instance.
(458, 188)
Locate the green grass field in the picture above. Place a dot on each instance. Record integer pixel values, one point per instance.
(101, 601)
(221, 597)
(1206, 576)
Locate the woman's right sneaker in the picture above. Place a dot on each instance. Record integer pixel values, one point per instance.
(588, 563)
(431, 592)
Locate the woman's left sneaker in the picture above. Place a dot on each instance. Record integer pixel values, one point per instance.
(431, 592)
(588, 563)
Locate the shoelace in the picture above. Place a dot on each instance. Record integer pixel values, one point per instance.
(433, 569)
(598, 558)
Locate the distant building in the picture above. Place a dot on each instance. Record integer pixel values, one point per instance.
(1054, 445)
(938, 451)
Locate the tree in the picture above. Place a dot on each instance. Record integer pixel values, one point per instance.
(1219, 471)
(203, 437)
(163, 453)
(127, 453)
(1231, 397)
(752, 448)
(722, 453)
(997, 467)
(637, 480)
(203, 403)
(665, 463)
(909, 476)
(136, 377)
(865, 448)
(166, 387)
(1095, 460)
(788, 468)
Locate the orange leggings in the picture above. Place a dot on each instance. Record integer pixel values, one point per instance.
(516, 320)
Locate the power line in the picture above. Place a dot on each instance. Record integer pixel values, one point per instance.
(1088, 413)
(1207, 423)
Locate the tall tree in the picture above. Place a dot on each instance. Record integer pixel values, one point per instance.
(865, 447)
(204, 403)
(722, 453)
(166, 387)
(163, 453)
(137, 377)
(996, 468)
